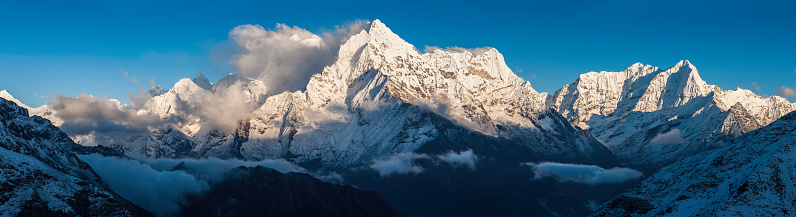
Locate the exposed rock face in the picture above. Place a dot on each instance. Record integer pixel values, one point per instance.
(42, 176)
(751, 176)
(260, 191)
(628, 110)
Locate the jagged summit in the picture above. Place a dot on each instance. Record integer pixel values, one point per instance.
(5, 95)
(202, 81)
(627, 110)
(156, 91)
(376, 100)
(751, 176)
(42, 176)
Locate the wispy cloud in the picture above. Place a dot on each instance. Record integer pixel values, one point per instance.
(463, 158)
(402, 163)
(578, 173)
(754, 85)
(786, 91)
(475, 51)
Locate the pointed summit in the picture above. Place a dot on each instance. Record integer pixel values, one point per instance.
(5, 95)
(385, 42)
(156, 91)
(202, 81)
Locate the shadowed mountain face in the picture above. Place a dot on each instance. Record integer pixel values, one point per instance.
(497, 184)
(260, 191)
(751, 176)
(42, 176)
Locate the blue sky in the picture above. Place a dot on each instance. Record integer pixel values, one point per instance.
(49, 47)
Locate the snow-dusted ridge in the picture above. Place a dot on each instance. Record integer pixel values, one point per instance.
(377, 99)
(42, 176)
(751, 176)
(629, 109)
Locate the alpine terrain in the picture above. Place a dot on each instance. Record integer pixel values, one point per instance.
(751, 176)
(388, 118)
(42, 176)
(650, 117)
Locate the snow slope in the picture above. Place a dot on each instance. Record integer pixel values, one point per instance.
(373, 101)
(42, 176)
(752, 176)
(628, 110)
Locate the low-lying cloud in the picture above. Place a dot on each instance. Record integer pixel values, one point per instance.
(402, 163)
(669, 138)
(406, 163)
(578, 173)
(159, 192)
(161, 185)
(213, 169)
(463, 158)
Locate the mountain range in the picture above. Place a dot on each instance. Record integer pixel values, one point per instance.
(456, 126)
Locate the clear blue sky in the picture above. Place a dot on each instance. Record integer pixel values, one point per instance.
(49, 47)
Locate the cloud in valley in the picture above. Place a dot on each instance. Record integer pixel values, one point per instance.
(463, 158)
(213, 169)
(669, 138)
(160, 192)
(578, 173)
(161, 185)
(402, 163)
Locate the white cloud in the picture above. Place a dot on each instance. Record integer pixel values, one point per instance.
(87, 114)
(669, 138)
(786, 91)
(475, 51)
(286, 57)
(402, 163)
(464, 158)
(161, 185)
(578, 173)
(159, 192)
(213, 169)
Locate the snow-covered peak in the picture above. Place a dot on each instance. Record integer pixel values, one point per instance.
(201, 81)
(156, 91)
(186, 86)
(628, 109)
(478, 91)
(5, 95)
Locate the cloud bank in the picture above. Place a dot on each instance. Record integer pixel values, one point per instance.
(159, 192)
(161, 185)
(669, 138)
(578, 173)
(405, 163)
